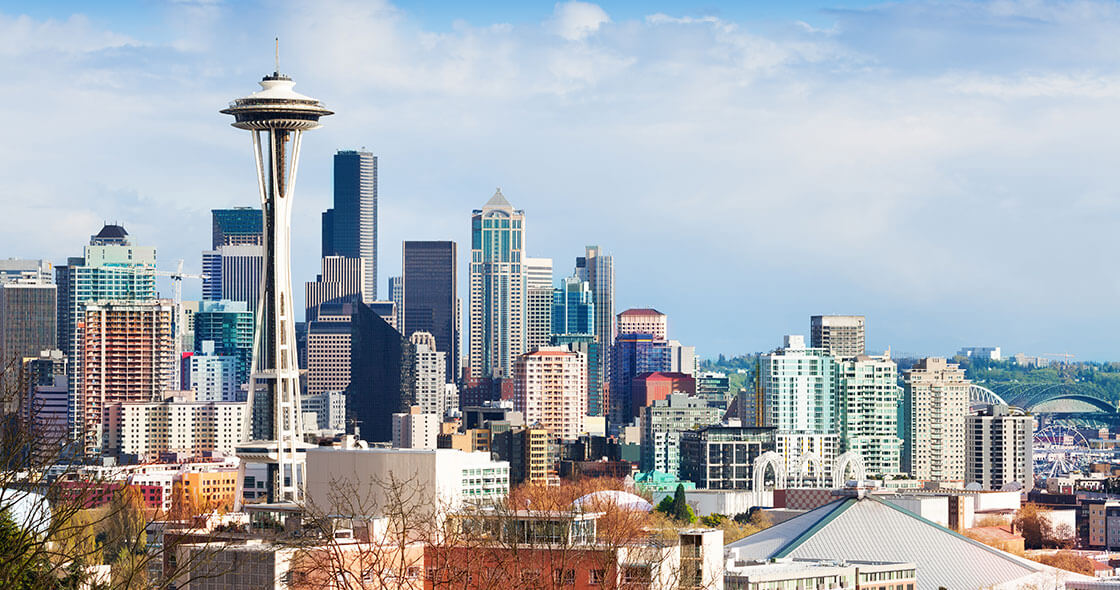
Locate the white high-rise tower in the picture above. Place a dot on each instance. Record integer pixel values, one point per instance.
(277, 116)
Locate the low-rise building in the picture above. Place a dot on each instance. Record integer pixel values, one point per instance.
(790, 573)
(662, 423)
(722, 456)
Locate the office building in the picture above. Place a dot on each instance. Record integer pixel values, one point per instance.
(647, 388)
(429, 380)
(529, 452)
(388, 312)
(573, 307)
(341, 281)
(550, 390)
(175, 424)
(329, 348)
(935, 403)
(40, 271)
(722, 456)
(415, 429)
(868, 396)
(239, 226)
(396, 295)
(126, 353)
(497, 281)
(44, 404)
(663, 421)
(538, 302)
(714, 388)
(380, 384)
(229, 326)
(329, 408)
(109, 269)
(211, 377)
(430, 298)
(799, 400)
(632, 355)
(28, 316)
(644, 321)
(586, 345)
(843, 336)
(682, 359)
(350, 227)
(999, 449)
(233, 273)
(597, 269)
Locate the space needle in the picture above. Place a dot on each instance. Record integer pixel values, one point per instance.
(276, 116)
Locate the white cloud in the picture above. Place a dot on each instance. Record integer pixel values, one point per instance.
(576, 20)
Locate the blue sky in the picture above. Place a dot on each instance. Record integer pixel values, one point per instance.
(946, 168)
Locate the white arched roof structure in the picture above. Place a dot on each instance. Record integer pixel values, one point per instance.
(814, 461)
(618, 498)
(775, 461)
(850, 460)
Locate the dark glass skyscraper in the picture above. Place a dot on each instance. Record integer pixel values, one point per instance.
(229, 325)
(350, 227)
(380, 361)
(430, 299)
(237, 226)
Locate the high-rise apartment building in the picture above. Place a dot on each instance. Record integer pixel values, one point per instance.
(110, 269)
(867, 403)
(28, 316)
(935, 403)
(662, 423)
(588, 346)
(799, 400)
(229, 326)
(632, 355)
(44, 404)
(127, 354)
(497, 279)
(341, 281)
(597, 269)
(239, 226)
(429, 376)
(429, 297)
(396, 295)
(213, 378)
(999, 449)
(174, 424)
(550, 389)
(843, 336)
(350, 227)
(538, 302)
(233, 273)
(329, 348)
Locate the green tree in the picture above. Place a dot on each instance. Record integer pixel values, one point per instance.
(681, 510)
(125, 527)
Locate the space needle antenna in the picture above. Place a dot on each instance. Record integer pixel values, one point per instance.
(277, 70)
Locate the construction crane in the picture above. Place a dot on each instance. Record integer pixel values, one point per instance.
(180, 317)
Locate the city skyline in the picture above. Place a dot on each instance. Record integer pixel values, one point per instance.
(944, 241)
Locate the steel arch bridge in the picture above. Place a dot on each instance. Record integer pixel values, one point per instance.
(1030, 395)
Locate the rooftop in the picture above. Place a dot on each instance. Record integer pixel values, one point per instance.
(641, 311)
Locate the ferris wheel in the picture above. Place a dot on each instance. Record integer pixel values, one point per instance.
(1060, 450)
(1060, 435)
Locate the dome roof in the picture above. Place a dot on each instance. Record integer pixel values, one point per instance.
(616, 497)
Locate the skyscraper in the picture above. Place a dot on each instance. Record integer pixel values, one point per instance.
(396, 295)
(276, 116)
(998, 448)
(350, 227)
(111, 269)
(597, 269)
(341, 281)
(240, 226)
(843, 336)
(934, 405)
(799, 399)
(233, 272)
(430, 297)
(538, 302)
(28, 316)
(229, 326)
(497, 278)
(644, 321)
(573, 307)
(380, 384)
(328, 348)
(429, 380)
(126, 354)
(632, 355)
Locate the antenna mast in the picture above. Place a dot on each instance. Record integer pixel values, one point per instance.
(277, 70)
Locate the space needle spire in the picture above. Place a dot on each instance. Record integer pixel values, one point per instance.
(276, 116)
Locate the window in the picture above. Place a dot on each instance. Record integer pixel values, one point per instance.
(563, 577)
(595, 577)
